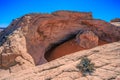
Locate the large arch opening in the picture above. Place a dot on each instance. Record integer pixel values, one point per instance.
(49, 53)
(65, 47)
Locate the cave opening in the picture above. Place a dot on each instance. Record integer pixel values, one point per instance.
(65, 47)
(49, 54)
(70, 44)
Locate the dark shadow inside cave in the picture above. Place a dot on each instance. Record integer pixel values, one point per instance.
(65, 47)
(52, 47)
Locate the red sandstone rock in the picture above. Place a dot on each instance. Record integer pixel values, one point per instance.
(27, 39)
(87, 39)
(105, 31)
(73, 15)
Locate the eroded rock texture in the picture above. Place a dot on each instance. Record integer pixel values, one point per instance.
(87, 39)
(106, 59)
(24, 43)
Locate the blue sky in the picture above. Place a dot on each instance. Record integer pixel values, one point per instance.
(101, 9)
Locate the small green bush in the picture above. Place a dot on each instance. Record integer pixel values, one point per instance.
(85, 66)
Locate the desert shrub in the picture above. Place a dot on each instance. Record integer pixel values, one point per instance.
(85, 66)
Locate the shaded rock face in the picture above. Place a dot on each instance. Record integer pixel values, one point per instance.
(87, 39)
(24, 43)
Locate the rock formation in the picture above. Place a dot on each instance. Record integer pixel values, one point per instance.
(106, 59)
(87, 39)
(115, 22)
(24, 43)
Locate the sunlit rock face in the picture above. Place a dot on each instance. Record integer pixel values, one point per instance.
(24, 43)
(115, 22)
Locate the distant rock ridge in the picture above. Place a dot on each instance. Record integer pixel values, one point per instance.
(24, 43)
(115, 22)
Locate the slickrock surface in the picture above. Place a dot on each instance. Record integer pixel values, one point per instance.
(24, 43)
(106, 59)
(115, 22)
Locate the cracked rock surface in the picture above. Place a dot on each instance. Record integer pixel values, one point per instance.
(106, 59)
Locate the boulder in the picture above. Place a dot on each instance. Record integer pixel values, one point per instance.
(87, 39)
